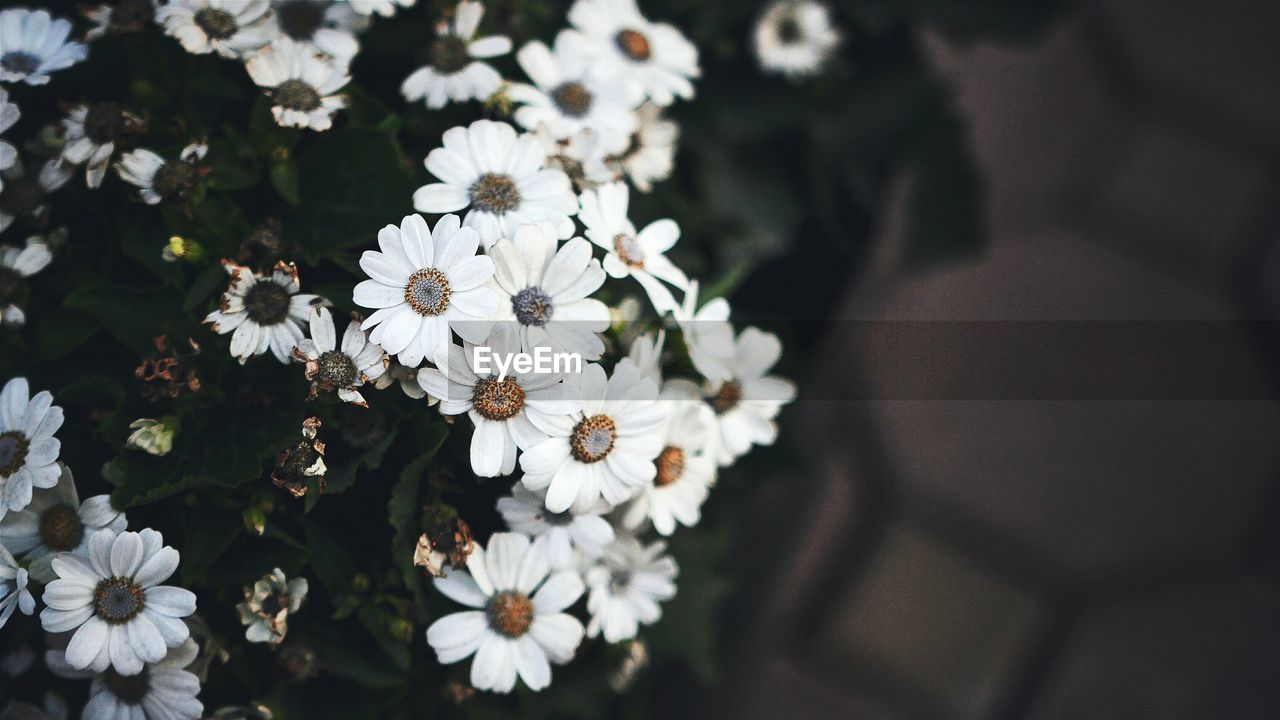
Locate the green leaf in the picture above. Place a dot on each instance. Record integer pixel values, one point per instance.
(342, 476)
(60, 332)
(947, 196)
(330, 562)
(377, 621)
(131, 315)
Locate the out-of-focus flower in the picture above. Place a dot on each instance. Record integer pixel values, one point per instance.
(268, 604)
(456, 71)
(159, 179)
(153, 436)
(34, 44)
(795, 37)
(447, 541)
(168, 371)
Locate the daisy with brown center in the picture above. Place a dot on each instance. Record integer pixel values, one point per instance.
(456, 71)
(159, 179)
(28, 449)
(265, 312)
(656, 57)
(640, 255)
(341, 369)
(795, 38)
(625, 587)
(685, 471)
(607, 450)
(518, 626)
(91, 132)
(566, 536)
(34, 44)
(122, 616)
(166, 690)
(301, 84)
(231, 28)
(509, 414)
(57, 522)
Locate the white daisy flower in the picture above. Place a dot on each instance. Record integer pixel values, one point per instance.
(163, 691)
(344, 368)
(407, 379)
(518, 624)
(327, 27)
(159, 179)
(513, 413)
(56, 522)
(266, 312)
(125, 16)
(651, 154)
(607, 450)
(545, 291)
(795, 37)
(25, 196)
(685, 471)
(90, 133)
(13, 588)
(582, 157)
(16, 265)
(455, 72)
(9, 114)
(646, 353)
(385, 8)
(654, 56)
(625, 587)
(28, 449)
(746, 404)
(423, 283)
(640, 255)
(569, 94)
(231, 28)
(565, 534)
(502, 177)
(122, 616)
(708, 335)
(300, 83)
(33, 44)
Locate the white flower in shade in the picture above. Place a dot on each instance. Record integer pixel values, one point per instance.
(513, 413)
(163, 691)
(685, 471)
(569, 94)
(339, 368)
(25, 196)
(582, 157)
(564, 534)
(502, 177)
(16, 265)
(625, 587)
(385, 8)
(654, 56)
(231, 28)
(327, 27)
(122, 616)
(545, 291)
(424, 282)
(300, 83)
(56, 522)
(646, 353)
(33, 44)
(159, 179)
(28, 449)
(795, 37)
(455, 72)
(266, 312)
(651, 155)
(640, 255)
(268, 604)
(13, 588)
(518, 623)
(607, 450)
(708, 335)
(407, 379)
(746, 404)
(9, 114)
(125, 16)
(90, 133)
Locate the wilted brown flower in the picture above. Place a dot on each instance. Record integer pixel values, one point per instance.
(447, 540)
(301, 461)
(168, 371)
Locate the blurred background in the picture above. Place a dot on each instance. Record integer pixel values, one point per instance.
(932, 548)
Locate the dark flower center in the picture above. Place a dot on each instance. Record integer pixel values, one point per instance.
(104, 122)
(634, 45)
(628, 250)
(118, 600)
(21, 196)
(449, 54)
(300, 459)
(296, 95)
(428, 292)
(532, 306)
(510, 613)
(789, 30)
(593, 438)
(267, 303)
(498, 399)
(495, 193)
(300, 19)
(131, 16)
(174, 178)
(10, 286)
(128, 689)
(61, 529)
(336, 370)
(573, 99)
(21, 63)
(13, 452)
(670, 466)
(217, 24)
(727, 397)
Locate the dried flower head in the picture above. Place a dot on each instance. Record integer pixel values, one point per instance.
(302, 461)
(447, 540)
(168, 371)
(268, 604)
